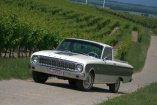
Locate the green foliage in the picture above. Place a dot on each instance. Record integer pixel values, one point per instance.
(124, 48)
(15, 33)
(102, 24)
(93, 21)
(116, 24)
(112, 39)
(127, 26)
(135, 28)
(140, 34)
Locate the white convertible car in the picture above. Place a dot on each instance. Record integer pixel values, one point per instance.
(82, 63)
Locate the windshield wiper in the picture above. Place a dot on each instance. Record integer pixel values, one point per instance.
(80, 52)
(65, 50)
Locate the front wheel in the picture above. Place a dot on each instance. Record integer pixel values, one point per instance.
(72, 82)
(86, 85)
(39, 77)
(115, 87)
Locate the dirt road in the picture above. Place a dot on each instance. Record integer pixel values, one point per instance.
(58, 92)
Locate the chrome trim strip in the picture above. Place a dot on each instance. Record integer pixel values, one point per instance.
(101, 78)
(69, 74)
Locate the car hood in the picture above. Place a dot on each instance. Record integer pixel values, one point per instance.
(65, 55)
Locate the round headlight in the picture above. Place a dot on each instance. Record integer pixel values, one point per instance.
(79, 68)
(35, 59)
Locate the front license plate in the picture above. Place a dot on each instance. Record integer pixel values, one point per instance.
(54, 72)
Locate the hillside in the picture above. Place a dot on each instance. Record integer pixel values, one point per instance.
(37, 25)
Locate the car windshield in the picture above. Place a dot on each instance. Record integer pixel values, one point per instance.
(81, 47)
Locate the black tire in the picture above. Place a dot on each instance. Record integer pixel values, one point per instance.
(72, 82)
(114, 87)
(86, 85)
(39, 77)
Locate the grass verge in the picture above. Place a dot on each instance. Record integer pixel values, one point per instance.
(155, 31)
(15, 68)
(138, 52)
(143, 96)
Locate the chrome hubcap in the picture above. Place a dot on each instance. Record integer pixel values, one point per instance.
(88, 82)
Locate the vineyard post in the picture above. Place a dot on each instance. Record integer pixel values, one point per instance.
(77, 35)
(18, 51)
(10, 53)
(30, 50)
(121, 53)
(0, 52)
(13, 52)
(26, 52)
(22, 52)
(6, 52)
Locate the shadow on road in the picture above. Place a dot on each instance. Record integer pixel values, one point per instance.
(71, 87)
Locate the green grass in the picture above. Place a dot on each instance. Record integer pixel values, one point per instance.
(15, 68)
(155, 31)
(138, 52)
(143, 96)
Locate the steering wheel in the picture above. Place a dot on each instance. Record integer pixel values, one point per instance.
(93, 54)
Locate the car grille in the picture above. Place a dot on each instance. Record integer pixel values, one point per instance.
(55, 62)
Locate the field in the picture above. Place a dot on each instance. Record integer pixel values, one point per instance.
(125, 7)
(154, 16)
(31, 25)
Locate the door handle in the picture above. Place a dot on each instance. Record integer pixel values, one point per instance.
(114, 63)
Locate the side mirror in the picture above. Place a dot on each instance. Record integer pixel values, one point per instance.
(105, 58)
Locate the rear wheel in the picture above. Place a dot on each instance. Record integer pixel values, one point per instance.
(115, 87)
(86, 85)
(39, 77)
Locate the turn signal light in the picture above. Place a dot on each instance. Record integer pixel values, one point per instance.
(77, 76)
(33, 67)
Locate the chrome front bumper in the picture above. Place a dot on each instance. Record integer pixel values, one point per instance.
(68, 74)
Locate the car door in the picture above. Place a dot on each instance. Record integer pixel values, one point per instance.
(107, 68)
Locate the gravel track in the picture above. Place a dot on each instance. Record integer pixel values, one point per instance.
(58, 92)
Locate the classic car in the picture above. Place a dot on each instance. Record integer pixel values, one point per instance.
(82, 63)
